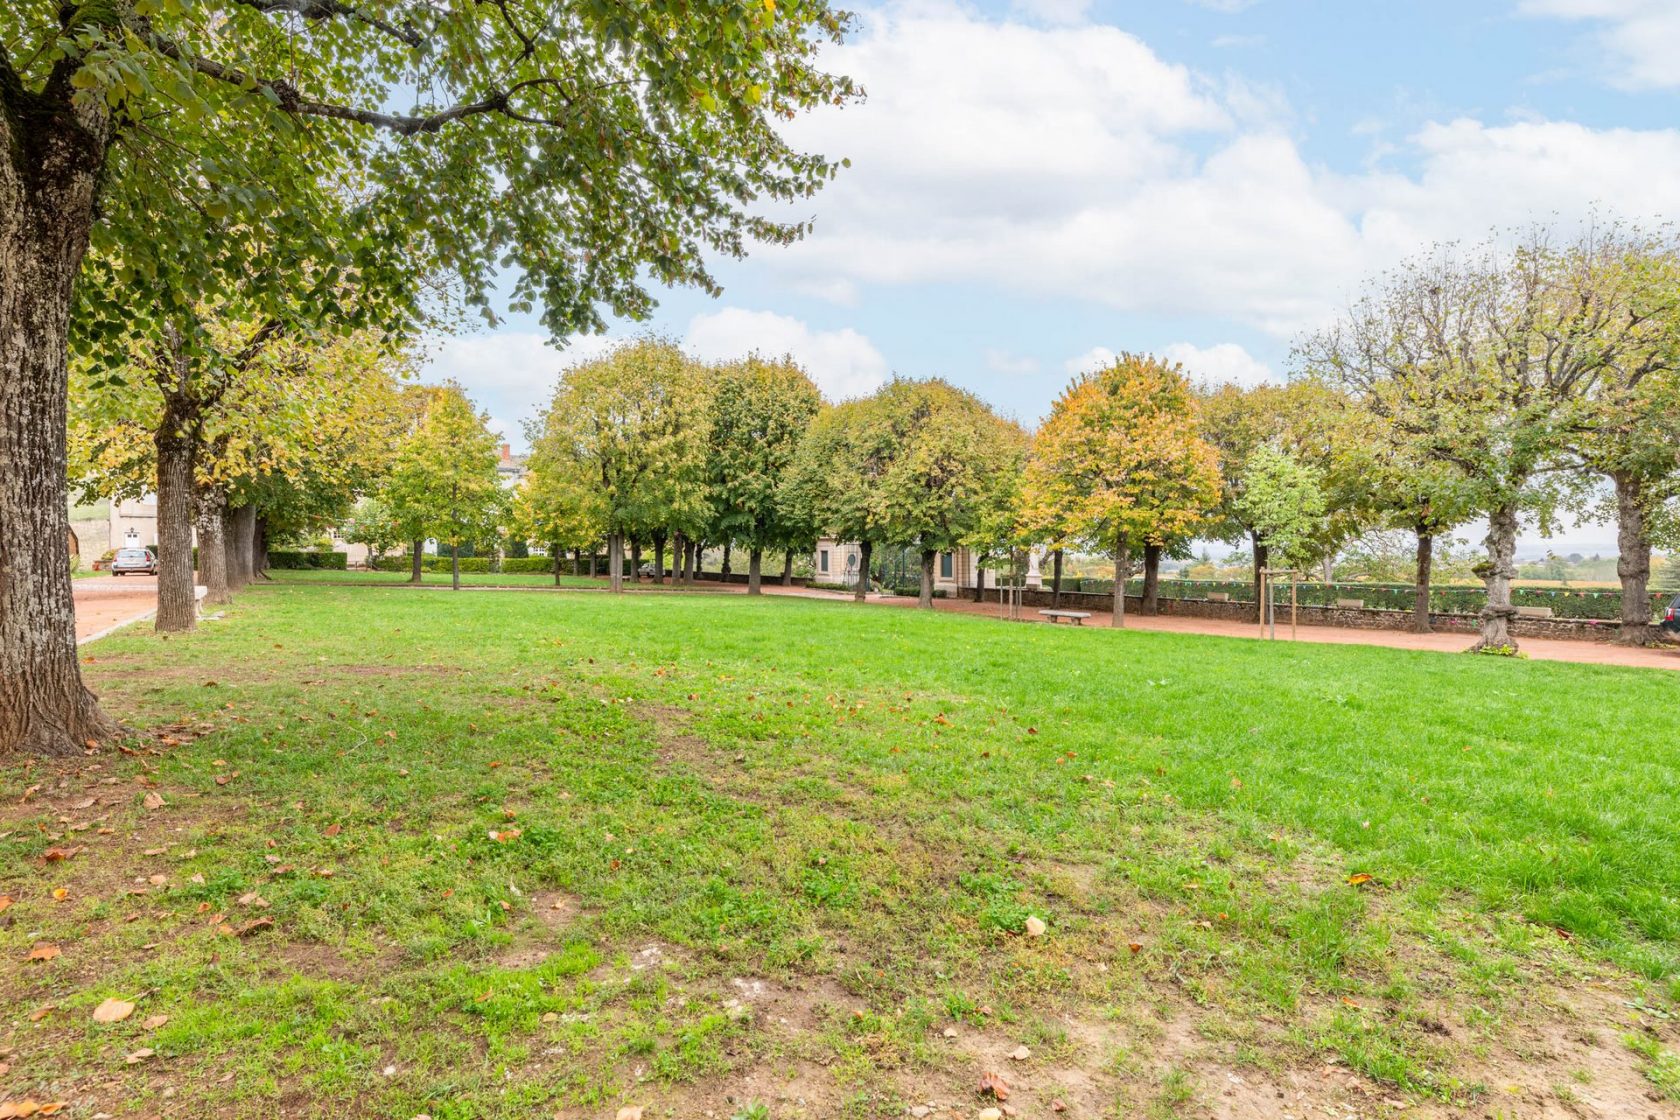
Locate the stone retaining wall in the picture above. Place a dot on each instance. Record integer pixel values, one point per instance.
(1352, 618)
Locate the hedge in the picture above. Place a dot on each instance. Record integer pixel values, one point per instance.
(330, 560)
(1565, 602)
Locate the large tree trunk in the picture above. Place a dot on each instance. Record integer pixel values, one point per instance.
(1500, 569)
(635, 559)
(240, 530)
(980, 577)
(615, 561)
(212, 548)
(723, 571)
(679, 558)
(1122, 568)
(1425, 566)
(860, 590)
(559, 555)
(1056, 582)
(50, 162)
(787, 568)
(755, 571)
(1260, 557)
(259, 548)
(1151, 579)
(1633, 563)
(455, 566)
(924, 597)
(177, 608)
(417, 561)
(658, 559)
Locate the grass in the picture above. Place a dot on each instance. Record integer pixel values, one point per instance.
(534, 852)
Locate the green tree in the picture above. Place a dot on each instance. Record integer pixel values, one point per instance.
(1282, 499)
(760, 411)
(558, 504)
(946, 446)
(372, 523)
(445, 477)
(634, 423)
(835, 482)
(1120, 462)
(582, 150)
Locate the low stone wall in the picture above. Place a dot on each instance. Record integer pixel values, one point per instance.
(1351, 618)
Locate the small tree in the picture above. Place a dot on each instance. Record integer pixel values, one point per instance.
(1119, 462)
(373, 524)
(759, 413)
(445, 478)
(835, 481)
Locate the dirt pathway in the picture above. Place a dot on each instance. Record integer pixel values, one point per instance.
(1540, 649)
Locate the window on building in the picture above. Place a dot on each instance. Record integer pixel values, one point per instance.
(822, 560)
(947, 564)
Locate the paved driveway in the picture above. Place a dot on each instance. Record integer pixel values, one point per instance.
(105, 601)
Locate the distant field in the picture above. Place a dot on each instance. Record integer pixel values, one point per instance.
(539, 855)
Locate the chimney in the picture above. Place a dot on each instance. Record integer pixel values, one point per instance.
(507, 452)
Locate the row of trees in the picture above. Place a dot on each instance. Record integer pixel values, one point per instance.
(305, 168)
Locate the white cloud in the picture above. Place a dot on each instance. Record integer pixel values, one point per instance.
(1218, 364)
(1641, 37)
(843, 362)
(1052, 11)
(509, 373)
(1002, 361)
(1075, 163)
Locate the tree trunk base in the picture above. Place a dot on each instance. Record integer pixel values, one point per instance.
(60, 730)
(1640, 637)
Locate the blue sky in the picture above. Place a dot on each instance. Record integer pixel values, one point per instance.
(1038, 182)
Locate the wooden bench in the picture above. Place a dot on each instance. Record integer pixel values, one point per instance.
(1076, 617)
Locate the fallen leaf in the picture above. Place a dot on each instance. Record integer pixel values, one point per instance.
(1020, 1054)
(332, 829)
(85, 803)
(138, 1056)
(60, 893)
(154, 1022)
(6, 900)
(1134, 946)
(252, 898)
(487, 994)
(1035, 926)
(42, 1012)
(1355, 880)
(630, 1112)
(254, 925)
(994, 1086)
(56, 855)
(153, 800)
(113, 1011)
(45, 952)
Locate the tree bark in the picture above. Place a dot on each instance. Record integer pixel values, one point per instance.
(239, 529)
(1425, 568)
(924, 598)
(1122, 564)
(212, 548)
(679, 558)
(559, 554)
(50, 162)
(259, 548)
(615, 561)
(1633, 562)
(980, 577)
(860, 590)
(577, 562)
(659, 559)
(723, 572)
(787, 568)
(417, 561)
(1260, 558)
(455, 566)
(1056, 582)
(177, 608)
(1151, 579)
(635, 559)
(755, 571)
(1500, 569)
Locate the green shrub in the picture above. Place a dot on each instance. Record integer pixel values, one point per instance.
(533, 564)
(469, 564)
(334, 561)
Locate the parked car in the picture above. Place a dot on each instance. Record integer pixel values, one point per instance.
(1671, 616)
(130, 560)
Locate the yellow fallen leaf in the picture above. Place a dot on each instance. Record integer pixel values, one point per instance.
(113, 1011)
(1355, 880)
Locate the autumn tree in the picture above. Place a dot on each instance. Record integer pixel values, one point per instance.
(759, 413)
(558, 503)
(445, 477)
(584, 151)
(1119, 463)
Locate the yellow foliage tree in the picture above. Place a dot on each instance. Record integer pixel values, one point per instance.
(1119, 462)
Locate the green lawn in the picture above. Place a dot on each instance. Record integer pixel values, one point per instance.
(535, 855)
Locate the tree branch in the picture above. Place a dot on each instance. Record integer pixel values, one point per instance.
(332, 9)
